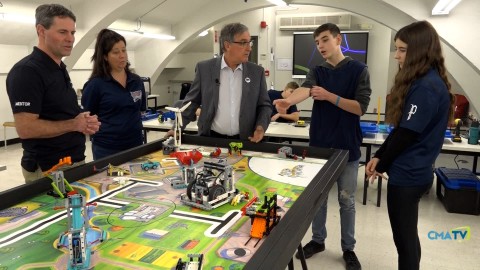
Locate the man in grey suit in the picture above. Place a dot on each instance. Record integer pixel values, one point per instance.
(231, 91)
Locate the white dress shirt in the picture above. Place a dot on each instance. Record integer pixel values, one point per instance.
(230, 95)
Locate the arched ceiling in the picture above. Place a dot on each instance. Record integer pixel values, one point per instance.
(186, 18)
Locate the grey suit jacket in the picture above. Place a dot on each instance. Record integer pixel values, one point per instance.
(255, 106)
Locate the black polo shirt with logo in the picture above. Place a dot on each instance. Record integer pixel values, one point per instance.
(38, 85)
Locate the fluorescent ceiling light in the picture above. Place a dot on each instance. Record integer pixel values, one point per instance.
(159, 36)
(204, 33)
(143, 34)
(443, 7)
(17, 18)
(286, 8)
(278, 2)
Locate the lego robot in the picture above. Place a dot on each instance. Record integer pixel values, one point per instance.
(80, 237)
(212, 187)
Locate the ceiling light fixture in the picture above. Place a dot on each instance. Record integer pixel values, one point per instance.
(443, 7)
(280, 3)
(204, 33)
(143, 34)
(138, 32)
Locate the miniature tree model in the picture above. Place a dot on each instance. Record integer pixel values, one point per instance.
(178, 123)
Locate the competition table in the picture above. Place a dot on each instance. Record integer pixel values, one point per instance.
(29, 225)
(289, 132)
(286, 131)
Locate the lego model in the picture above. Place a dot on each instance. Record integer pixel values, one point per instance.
(177, 182)
(163, 117)
(59, 184)
(216, 152)
(263, 217)
(190, 264)
(211, 187)
(168, 146)
(112, 170)
(177, 135)
(286, 152)
(239, 198)
(296, 171)
(116, 171)
(456, 136)
(80, 237)
(187, 160)
(300, 123)
(235, 148)
(150, 165)
(121, 180)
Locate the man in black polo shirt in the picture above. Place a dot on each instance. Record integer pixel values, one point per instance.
(47, 116)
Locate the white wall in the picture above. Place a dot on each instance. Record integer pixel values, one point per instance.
(180, 69)
(15, 53)
(83, 68)
(281, 43)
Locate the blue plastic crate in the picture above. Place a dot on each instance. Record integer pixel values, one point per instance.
(368, 127)
(448, 134)
(458, 178)
(384, 128)
(149, 116)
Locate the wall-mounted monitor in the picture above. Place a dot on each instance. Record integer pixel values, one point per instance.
(306, 55)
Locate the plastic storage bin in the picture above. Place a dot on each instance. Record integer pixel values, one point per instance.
(459, 190)
(369, 129)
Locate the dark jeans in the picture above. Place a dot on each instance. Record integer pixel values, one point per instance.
(402, 205)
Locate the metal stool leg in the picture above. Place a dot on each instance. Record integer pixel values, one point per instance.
(379, 191)
(302, 257)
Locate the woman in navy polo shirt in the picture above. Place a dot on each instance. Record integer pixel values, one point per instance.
(420, 107)
(116, 95)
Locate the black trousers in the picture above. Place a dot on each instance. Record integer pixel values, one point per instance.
(402, 203)
(218, 135)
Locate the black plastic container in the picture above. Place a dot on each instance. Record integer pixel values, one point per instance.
(459, 190)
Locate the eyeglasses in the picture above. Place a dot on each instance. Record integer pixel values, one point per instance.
(244, 43)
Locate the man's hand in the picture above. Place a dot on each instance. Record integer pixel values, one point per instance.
(169, 134)
(257, 135)
(86, 123)
(281, 105)
(275, 117)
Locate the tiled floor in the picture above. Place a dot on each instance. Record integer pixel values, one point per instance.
(375, 248)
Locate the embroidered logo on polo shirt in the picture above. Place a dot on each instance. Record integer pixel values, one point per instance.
(22, 104)
(136, 95)
(413, 110)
